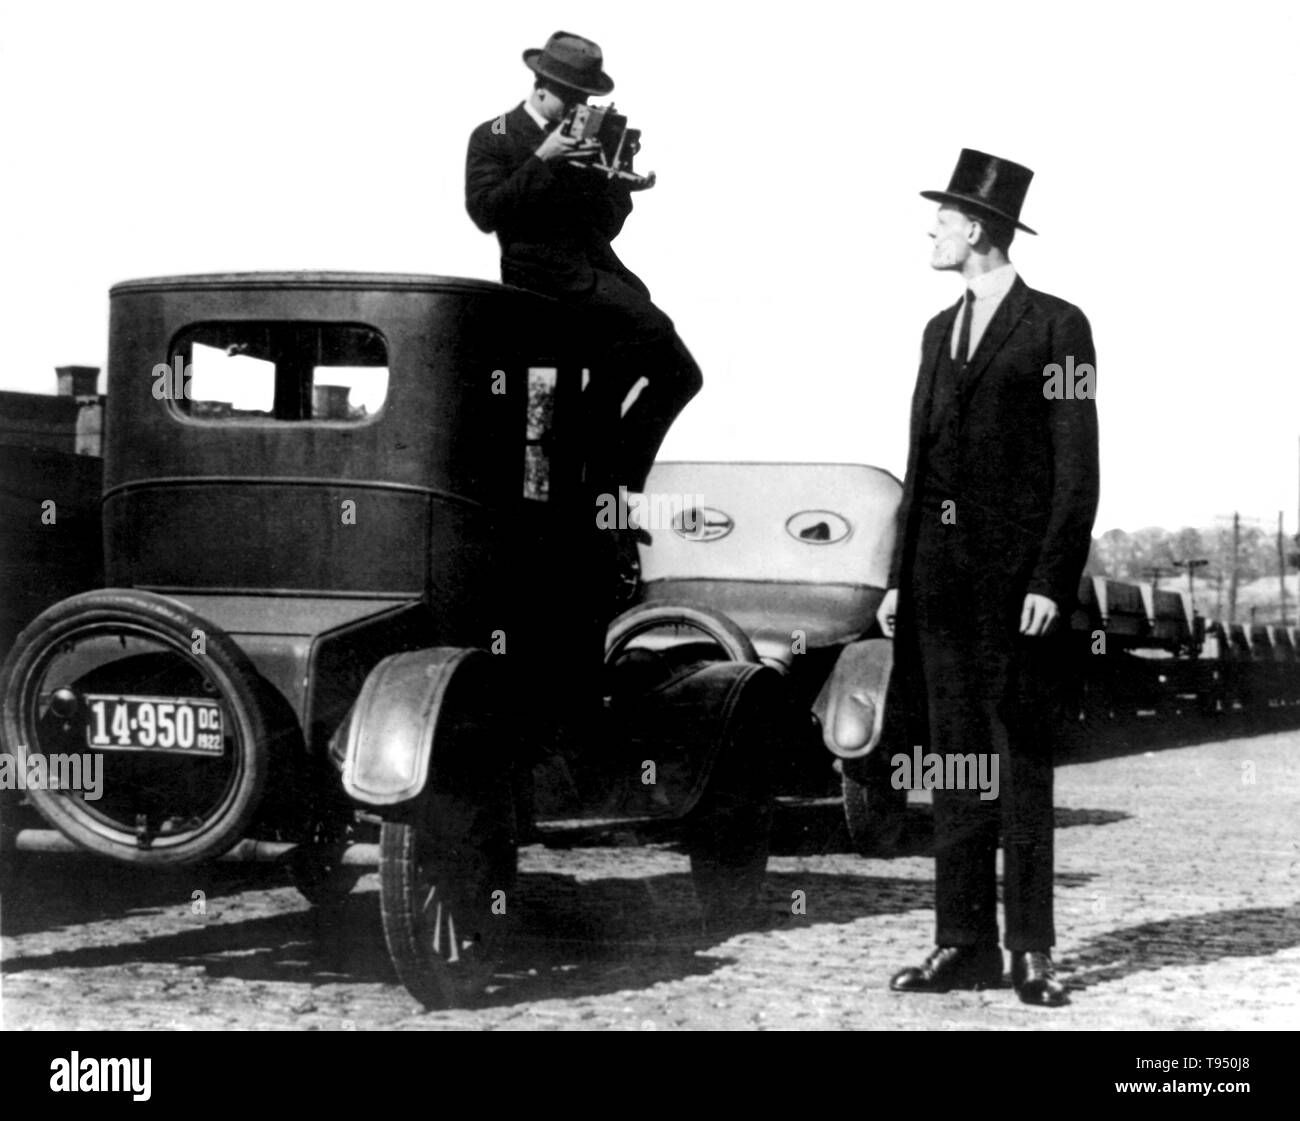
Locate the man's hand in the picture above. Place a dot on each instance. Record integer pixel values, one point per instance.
(1038, 616)
(886, 612)
(557, 146)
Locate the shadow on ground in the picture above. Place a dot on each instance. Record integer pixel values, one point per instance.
(1185, 940)
(816, 827)
(53, 892)
(570, 937)
(1098, 740)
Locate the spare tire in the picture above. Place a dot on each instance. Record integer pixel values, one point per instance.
(163, 711)
(713, 625)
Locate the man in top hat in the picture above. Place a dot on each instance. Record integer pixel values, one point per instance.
(994, 530)
(555, 222)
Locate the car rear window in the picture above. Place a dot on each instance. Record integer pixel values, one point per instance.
(291, 371)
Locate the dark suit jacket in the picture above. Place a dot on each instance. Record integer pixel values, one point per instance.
(1028, 473)
(554, 222)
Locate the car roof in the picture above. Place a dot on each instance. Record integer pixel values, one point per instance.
(375, 281)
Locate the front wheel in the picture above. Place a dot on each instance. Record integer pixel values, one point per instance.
(446, 873)
(447, 858)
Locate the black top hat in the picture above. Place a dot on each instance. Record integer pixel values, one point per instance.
(987, 183)
(572, 61)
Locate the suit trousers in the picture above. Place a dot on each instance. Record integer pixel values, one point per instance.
(987, 691)
(642, 343)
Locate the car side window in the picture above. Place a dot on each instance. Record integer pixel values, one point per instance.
(540, 418)
(276, 371)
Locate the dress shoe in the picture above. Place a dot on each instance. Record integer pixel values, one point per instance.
(1034, 978)
(952, 967)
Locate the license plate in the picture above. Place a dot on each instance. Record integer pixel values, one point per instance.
(184, 725)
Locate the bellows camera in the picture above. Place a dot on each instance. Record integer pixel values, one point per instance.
(618, 143)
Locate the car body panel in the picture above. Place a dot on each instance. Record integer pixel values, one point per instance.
(805, 557)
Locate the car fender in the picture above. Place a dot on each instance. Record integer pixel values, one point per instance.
(733, 715)
(388, 738)
(851, 704)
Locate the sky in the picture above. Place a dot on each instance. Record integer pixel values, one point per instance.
(785, 235)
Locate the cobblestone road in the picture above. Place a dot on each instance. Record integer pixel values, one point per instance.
(1178, 875)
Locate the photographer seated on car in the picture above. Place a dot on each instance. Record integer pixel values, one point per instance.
(555, 219)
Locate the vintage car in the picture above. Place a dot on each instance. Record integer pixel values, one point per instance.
(796, 556)
(351, 579)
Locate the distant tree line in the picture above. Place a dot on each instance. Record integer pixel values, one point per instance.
(1136, 556)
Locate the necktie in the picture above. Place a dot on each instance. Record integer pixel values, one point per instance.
(963, 339)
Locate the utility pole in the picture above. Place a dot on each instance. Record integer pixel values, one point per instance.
(1192, 564)
(1232, 582)
(1155, 572)
(1281, 565)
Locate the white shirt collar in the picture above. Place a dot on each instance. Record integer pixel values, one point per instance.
(542, 122)
(995, 283)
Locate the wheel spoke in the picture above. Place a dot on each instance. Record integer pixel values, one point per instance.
(428, 899)
(453, 946)
(436, 928)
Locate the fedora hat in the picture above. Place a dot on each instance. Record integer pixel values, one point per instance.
(572, 61)
(987, 183)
